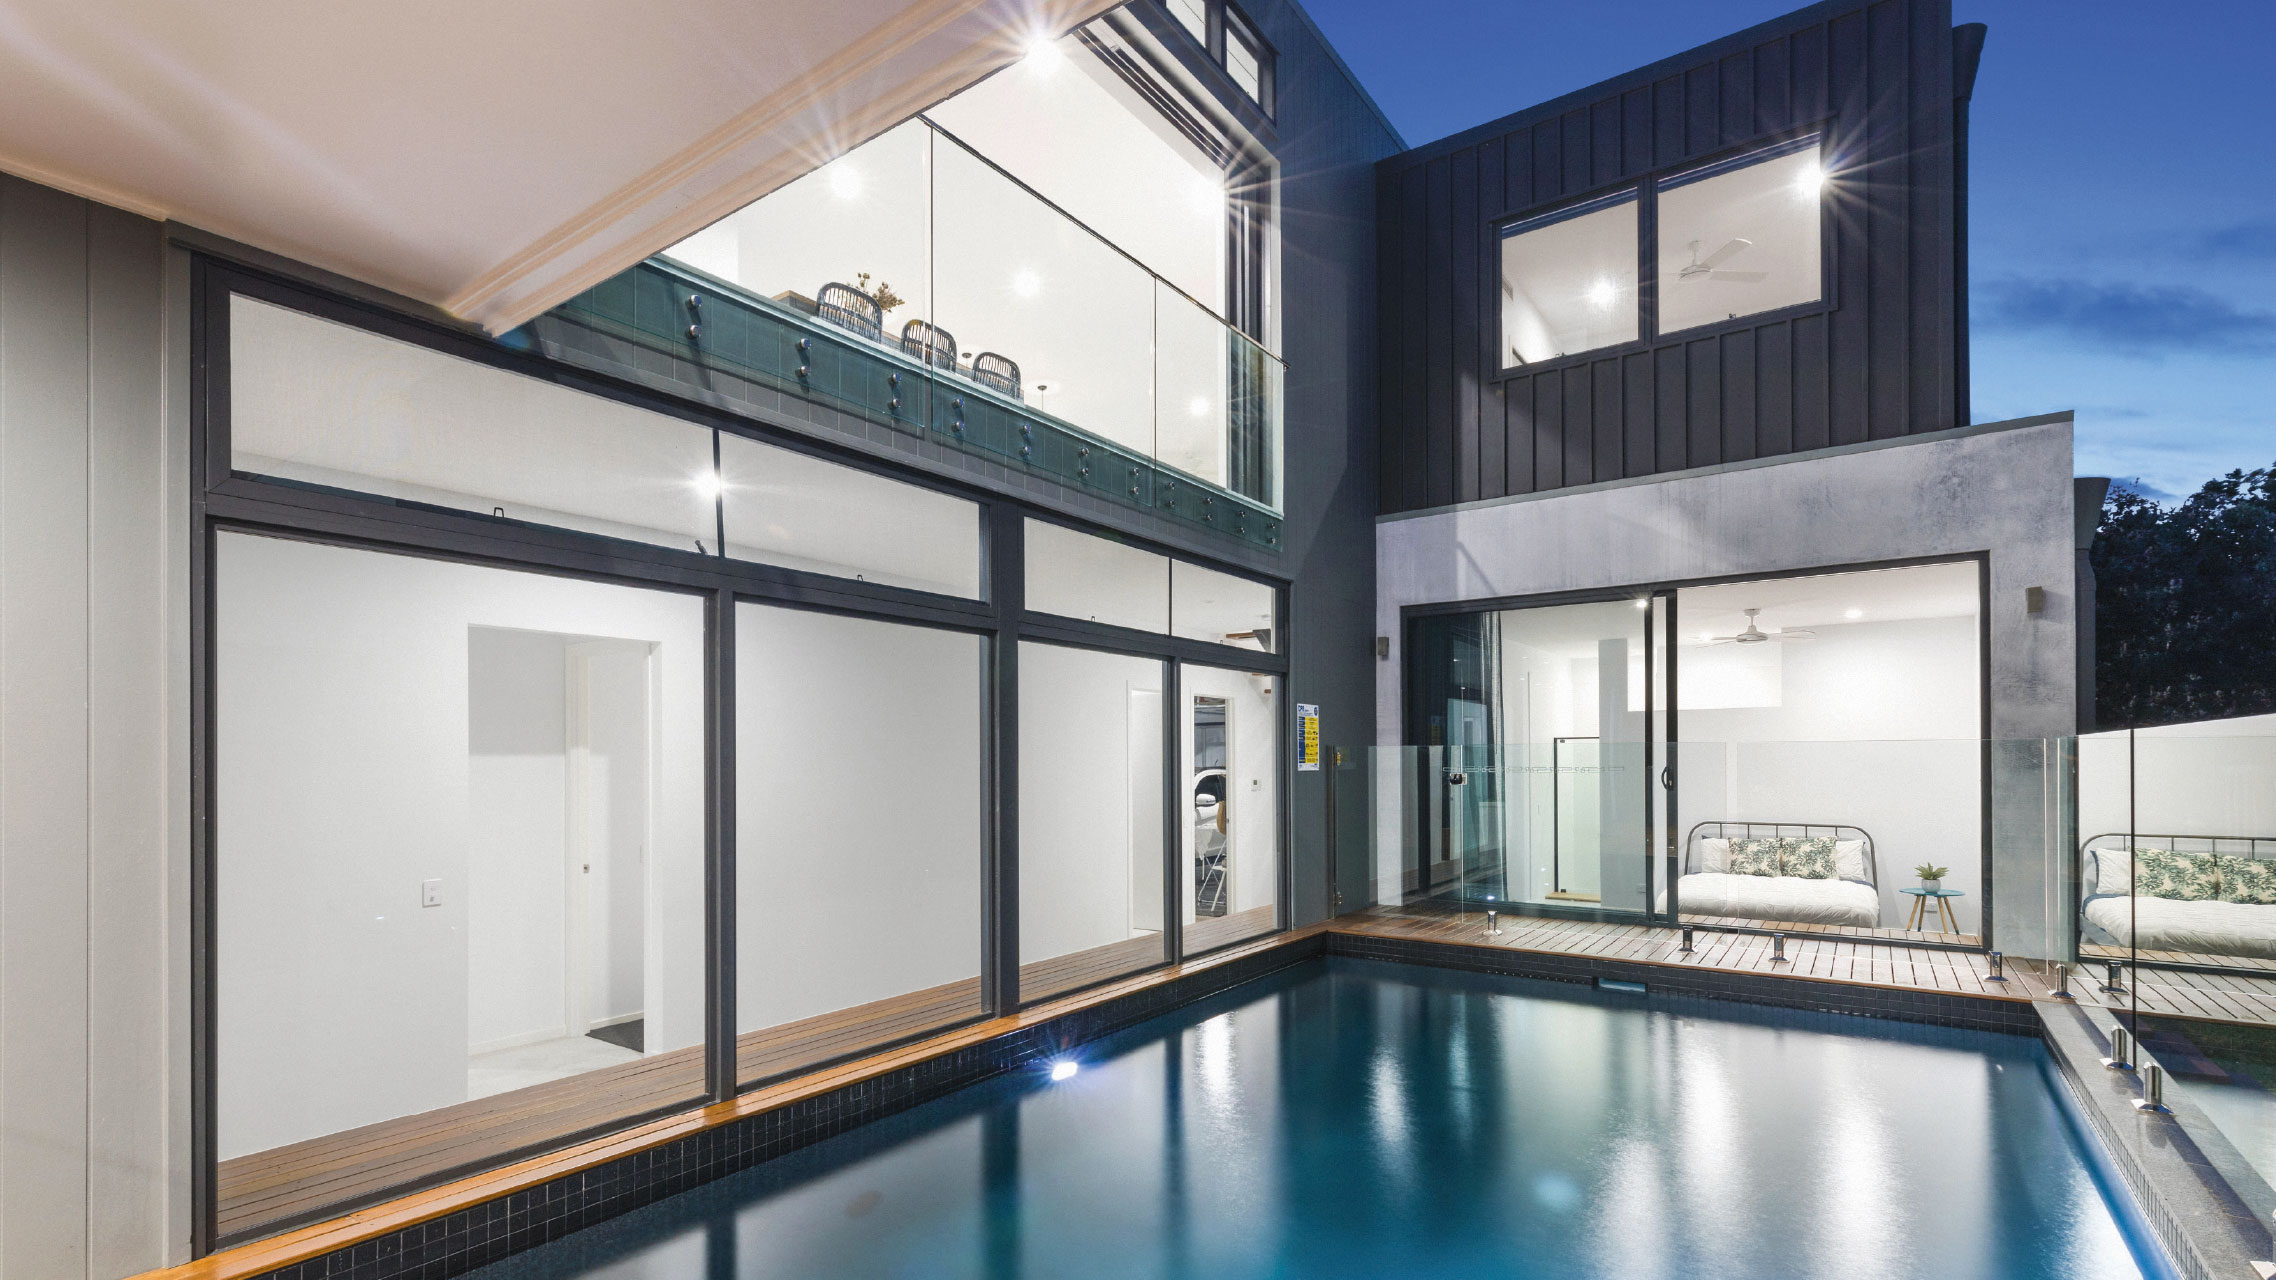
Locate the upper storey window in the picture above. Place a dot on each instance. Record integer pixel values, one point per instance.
(1569, 282)
(1736, 238)
(1740, 238)
(1232, 42)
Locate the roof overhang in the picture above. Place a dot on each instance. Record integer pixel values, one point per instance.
(490, 159)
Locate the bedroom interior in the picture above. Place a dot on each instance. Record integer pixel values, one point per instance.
(1812, 714)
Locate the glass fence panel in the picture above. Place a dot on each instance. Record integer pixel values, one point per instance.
(1019, 280)
(792, 509)
(1900, 840)
(916, 241)
(853, 236)
(323, 403)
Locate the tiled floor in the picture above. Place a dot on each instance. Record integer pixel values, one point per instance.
(2224, 997)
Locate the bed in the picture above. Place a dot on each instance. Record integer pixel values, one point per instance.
(1852, 898)
(2113, 916)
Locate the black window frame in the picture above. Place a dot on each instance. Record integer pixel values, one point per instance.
(1645, 189)
(224, 500)
(1227, 22)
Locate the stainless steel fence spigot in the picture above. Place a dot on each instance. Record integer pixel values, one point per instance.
(2121, 1050)
(2153, 1089)
(1998, 968)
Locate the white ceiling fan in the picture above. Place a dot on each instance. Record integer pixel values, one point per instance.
(1756, 635)
(1710, 267)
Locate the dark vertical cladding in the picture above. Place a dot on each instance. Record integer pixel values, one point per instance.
(1882, 355)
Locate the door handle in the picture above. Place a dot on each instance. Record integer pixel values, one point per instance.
(1456, 779)
(1667, 779)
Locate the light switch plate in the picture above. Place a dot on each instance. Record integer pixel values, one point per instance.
(430, 893)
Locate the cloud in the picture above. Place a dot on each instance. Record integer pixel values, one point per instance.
(2255, 240)
(2140, 320)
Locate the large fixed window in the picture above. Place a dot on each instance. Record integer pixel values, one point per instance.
(1732, 239)
(528, 829)
(858, 827)
(458, 866)
(1091, 817)
(1740, 238)
(1568, 282)
(314, 401)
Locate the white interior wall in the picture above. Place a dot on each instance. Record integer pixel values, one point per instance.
(1252, 813)
(1076, 781)
(517, 785)
(612, 727)
(342, 780)
(1877, 727)
(858, 819)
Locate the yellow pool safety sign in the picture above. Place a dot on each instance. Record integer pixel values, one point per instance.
(1308, 726)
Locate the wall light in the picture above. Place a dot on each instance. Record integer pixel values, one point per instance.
(1601, 293)
(1027, 284)
(707, 485)
(1810, 182)
(1199, 408)
(1643, 604)
(845, 181)
(1043, 54)
(1854, 614)
(1064, 1069)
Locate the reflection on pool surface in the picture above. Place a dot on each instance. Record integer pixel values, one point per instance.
(1366, 1120)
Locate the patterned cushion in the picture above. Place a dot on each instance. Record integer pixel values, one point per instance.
(1807, 858)
(2248, 879)
(1758, 857)
(2181, 877)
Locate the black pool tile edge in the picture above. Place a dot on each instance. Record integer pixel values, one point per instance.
(1944, 1009)
(2206, 1230)
(459, 1242)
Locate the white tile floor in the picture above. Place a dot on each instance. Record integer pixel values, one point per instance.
(504, 1070)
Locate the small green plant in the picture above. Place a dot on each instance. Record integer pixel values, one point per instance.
(886, 298)
(1930, 871)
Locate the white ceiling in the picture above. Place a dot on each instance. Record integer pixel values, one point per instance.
(492, 159)
(1877, 595)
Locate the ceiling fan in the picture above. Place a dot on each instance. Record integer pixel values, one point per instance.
(1710, 267)
(1756, 635)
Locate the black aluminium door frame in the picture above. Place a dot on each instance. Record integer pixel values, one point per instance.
(1409, 614)
(221, 500)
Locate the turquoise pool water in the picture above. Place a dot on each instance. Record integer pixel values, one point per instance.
(1349, 1119)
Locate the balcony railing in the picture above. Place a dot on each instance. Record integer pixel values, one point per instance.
(915, 284)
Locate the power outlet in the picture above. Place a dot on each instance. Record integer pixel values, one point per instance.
(430, 893)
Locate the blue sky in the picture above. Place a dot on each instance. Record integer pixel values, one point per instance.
(2123, 189)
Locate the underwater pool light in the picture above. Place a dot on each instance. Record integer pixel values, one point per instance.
(1064, 1069)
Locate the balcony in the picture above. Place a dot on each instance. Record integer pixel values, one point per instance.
(917, 285)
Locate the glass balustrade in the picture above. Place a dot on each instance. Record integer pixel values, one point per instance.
(969, 289)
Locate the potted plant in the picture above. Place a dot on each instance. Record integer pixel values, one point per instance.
(1931, 876)
(883, 293)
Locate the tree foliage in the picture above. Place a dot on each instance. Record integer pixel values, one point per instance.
(2185, 604)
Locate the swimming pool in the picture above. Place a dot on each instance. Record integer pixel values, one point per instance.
(1355, 1119)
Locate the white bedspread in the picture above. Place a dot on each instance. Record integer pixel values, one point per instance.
(2208, 928)
(1790, 898)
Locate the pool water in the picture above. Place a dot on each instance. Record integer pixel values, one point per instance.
(1351, 1119)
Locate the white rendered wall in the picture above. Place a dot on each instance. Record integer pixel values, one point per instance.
(1078, 825)
(342, 778)
(2004, 490)
(517, 807)
(857, 811)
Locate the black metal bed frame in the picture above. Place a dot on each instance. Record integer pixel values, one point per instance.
(1753, 830)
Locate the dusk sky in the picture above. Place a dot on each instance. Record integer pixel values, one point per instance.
(2123, 189)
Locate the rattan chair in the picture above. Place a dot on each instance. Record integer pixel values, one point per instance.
(850, 308)
(999, 372)
(929, 343)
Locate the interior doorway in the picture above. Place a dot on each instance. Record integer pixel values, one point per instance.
(561, 801)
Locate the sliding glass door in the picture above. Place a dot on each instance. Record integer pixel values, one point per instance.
(1541, 764)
